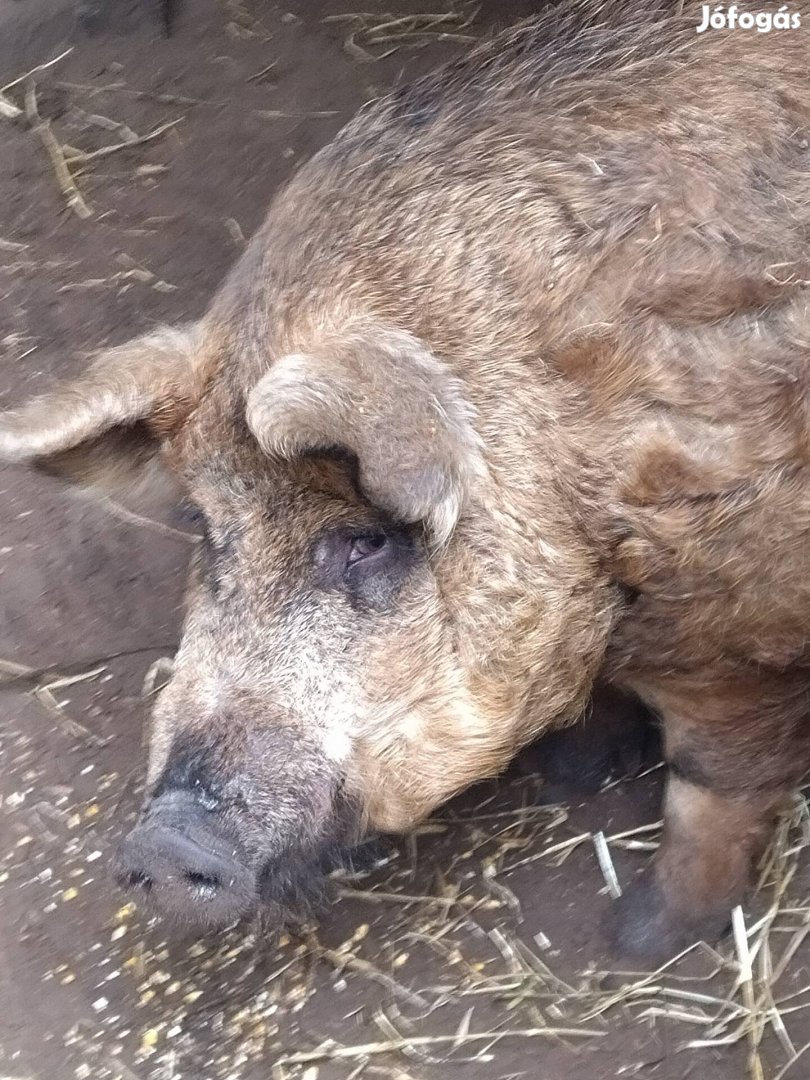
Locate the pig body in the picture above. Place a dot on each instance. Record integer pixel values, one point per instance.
(510, 392)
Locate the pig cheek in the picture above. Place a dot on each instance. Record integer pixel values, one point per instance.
(388, 786)
(427, 757)
(391, 813)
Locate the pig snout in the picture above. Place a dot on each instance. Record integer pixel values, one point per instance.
(182, 859)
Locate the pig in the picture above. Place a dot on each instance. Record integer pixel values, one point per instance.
(509, 394)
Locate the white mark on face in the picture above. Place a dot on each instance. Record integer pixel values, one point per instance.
(337, 744)
(411, 726)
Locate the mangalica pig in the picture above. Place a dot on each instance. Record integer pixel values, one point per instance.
(510, 393)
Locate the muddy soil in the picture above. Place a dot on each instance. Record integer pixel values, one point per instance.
(88, 602)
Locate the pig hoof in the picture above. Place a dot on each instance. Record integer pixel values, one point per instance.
(616, 738)
(642, 926)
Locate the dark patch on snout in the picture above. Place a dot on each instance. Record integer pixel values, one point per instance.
(190, 769)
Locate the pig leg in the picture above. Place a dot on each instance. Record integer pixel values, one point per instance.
(616, 737)
(728, 778)
(702, 870)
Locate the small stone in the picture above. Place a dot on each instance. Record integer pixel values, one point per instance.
(149, 1039)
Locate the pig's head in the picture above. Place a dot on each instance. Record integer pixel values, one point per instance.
(373, 621)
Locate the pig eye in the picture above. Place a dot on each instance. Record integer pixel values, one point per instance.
(369, 564)
(362, 547)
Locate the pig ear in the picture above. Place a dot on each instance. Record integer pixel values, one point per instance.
(386, 399)
(104, 429)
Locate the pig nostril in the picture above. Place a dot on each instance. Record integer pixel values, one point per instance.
(205, 885)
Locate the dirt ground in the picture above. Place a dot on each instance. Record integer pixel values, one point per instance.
(446, 943)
